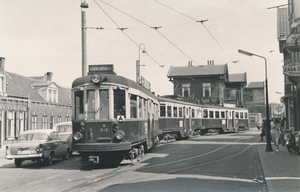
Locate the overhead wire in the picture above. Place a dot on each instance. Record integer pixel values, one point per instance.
(148, 26)
(202, 22)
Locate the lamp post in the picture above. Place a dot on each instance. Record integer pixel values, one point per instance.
(138, 63)
(268, 147)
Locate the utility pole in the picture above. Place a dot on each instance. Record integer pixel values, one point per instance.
(83, 5)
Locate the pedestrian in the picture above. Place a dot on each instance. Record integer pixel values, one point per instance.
(263, 128)
(275, 133)
(282, 132)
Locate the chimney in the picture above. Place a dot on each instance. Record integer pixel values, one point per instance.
(2, 61)
(49, 76)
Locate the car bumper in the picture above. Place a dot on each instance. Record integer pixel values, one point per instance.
(32, 156)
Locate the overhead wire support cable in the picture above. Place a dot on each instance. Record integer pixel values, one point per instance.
(142, 23)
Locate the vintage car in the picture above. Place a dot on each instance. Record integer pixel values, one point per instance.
(63, 127)
(65, 132)
(37, 145)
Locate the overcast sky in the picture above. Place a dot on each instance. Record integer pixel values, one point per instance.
(45, 36)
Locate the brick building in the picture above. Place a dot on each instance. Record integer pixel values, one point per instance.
(30, 103)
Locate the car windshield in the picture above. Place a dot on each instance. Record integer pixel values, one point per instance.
(64, 128)
(33, 136)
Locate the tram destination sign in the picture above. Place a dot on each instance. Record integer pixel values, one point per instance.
(107, 68)
(292, 69)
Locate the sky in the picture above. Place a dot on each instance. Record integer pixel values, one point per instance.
(45, 36)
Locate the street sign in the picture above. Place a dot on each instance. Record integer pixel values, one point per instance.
(292, 69)
(293, 42)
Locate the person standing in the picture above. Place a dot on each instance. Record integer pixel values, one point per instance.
(275, 133)
(263, 128)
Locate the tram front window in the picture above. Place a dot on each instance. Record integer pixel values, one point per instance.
(119, 102)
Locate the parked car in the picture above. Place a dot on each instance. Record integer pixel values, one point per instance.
(63, 127)
(37, 145)
(65, 132)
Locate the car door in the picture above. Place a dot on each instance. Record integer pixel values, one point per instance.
(60, 148)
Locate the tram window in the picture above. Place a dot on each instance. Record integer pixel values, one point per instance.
(140, 107)
(174, 111)
(217, 114)
(162, 110)
(91, 112)
(229, 114)
(193, 113)
(237, 114)
(241, 115)
(169, 111)
(246, 115)
(205, 113)
(119, 102)
(104, 104)
(222, 114)
(79, 105)
(133, 106)
(145, 108)
(180, 111)
(211, 114)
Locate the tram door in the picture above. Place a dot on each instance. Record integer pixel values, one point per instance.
(233, 120)
(226, 117)
(184, 120)
(190, 121)
(150, 123)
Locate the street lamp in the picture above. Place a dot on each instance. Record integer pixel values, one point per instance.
(268, 147)
(138, 63)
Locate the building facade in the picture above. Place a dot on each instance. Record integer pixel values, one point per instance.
(30, 103)
(288, 35)
(208, 84)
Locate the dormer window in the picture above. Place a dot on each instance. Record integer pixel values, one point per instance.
(52, 95)
(2, 84)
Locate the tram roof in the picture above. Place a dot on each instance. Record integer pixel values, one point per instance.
(113, 79)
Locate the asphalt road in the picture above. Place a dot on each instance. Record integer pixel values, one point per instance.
(227, 162)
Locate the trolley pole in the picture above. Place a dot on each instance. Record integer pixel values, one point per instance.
(83, 5)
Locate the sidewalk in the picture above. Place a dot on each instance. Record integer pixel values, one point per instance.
(281, 169)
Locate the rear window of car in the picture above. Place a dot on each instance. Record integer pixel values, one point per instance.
(34, 136)
(64, 128)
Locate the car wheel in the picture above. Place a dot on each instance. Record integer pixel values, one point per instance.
(49, 160)
(70, 153)
(18, 162)
(66, 155)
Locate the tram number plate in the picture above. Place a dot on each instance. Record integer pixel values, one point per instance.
(27, 152)
(94, 159)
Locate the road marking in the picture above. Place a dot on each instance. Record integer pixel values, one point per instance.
(214, 142)
(280, 178)
(153, 177)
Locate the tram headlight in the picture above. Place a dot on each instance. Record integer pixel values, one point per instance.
(77, 136)
(120, 135)
(82, 124)
(96, 78)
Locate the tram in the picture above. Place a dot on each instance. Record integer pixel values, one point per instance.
(113, 117)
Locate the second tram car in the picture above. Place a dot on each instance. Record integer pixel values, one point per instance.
(113, 116)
